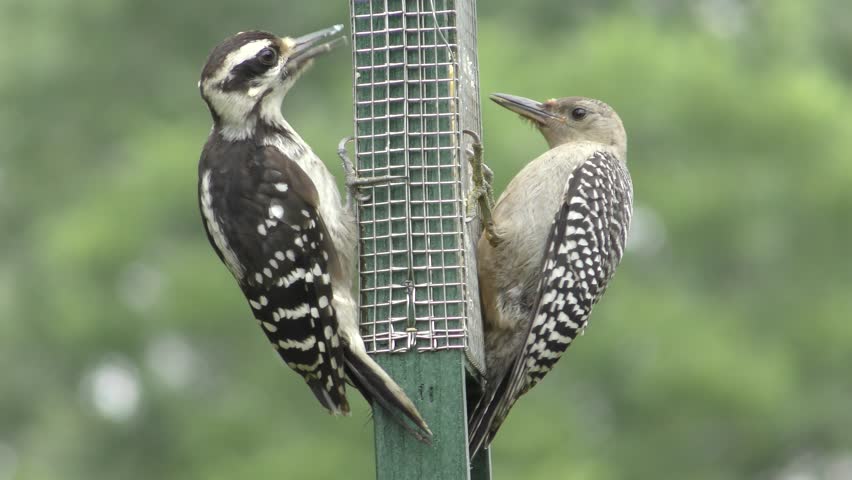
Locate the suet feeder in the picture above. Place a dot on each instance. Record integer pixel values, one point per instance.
(416, 89)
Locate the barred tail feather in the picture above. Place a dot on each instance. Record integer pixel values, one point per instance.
(377, 386)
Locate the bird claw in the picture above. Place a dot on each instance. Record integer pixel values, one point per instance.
(487, 175)
(481, 193)
(491, 234)
(353, 182)
(348, 166)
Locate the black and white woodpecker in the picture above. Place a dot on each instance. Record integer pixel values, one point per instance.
(558, 233)
(275, 218)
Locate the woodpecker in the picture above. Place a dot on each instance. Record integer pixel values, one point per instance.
(274, 216)
(558, 233)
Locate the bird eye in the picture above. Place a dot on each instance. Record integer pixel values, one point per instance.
(267, 56)
(578, 113)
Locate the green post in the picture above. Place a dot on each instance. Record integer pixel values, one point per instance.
(436, 382)
(416, 88)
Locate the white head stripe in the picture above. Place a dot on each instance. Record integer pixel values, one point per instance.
(247, 51)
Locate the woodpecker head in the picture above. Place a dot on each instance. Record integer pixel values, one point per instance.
(569, 119)
(247, 75)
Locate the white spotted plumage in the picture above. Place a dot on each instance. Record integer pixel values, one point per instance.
(306, 344)
(291, 313)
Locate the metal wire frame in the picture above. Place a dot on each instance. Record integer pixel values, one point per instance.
(416, 89)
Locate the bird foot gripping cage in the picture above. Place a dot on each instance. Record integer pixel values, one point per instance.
(416, 90)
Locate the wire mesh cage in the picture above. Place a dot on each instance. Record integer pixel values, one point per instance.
(416, 89)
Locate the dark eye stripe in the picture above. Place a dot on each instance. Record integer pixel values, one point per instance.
(243, 73)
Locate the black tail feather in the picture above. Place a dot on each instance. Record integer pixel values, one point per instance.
(485, 421)
(375, 389)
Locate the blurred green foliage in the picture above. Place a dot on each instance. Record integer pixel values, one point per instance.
(722, 350)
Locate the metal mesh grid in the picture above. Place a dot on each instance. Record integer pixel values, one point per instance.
(416, 88)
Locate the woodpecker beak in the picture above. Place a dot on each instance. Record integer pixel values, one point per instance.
(306, 47)
(526, 108)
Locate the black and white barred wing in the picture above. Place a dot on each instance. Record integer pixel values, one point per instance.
(584, 246)
(287, 258)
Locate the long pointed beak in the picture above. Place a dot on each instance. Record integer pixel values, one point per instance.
(524, 107)
(313, 44)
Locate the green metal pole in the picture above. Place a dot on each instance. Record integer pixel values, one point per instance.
(416, 89)
(436, 381)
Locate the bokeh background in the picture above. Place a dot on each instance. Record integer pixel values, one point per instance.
(723, 349)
